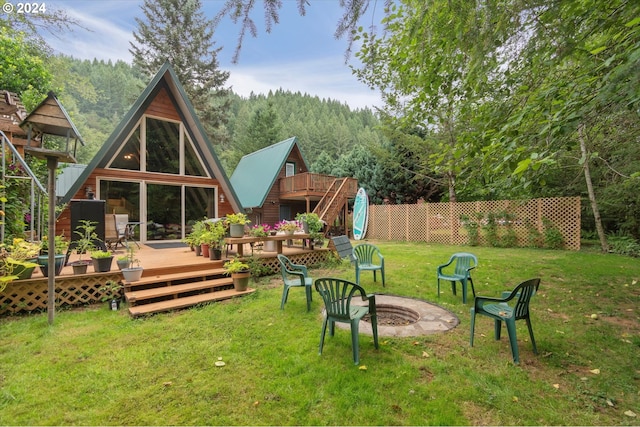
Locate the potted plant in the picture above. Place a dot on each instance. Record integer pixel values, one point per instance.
(312, 224)
(216, 235)
(205, 242)
(236, 222)
(122, 262)
(194, 238)
(85, 244)
(260, 230)
(240, 273)
(133, 271)
(101, 261)
(110, 293)
(60, 246)
(288, 227)
(21, 259)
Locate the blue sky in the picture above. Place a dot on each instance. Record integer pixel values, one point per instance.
(300, 54)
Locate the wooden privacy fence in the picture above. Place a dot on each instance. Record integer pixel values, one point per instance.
(441, 222)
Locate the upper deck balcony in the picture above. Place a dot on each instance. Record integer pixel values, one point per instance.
(313, 186)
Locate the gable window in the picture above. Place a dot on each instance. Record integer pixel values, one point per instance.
(163, 146)
(289, 169)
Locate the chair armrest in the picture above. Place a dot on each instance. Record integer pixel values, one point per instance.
(441, 266)
(300, 274)
(300, 267)
(471, 268)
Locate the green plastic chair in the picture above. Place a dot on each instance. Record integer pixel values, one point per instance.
(499, 310)
(463, 263)
(294, 275)
(337, 295)
(368, 257)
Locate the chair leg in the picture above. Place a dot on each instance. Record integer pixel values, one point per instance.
(473, 289)
(374, 328)
(473, 325)
(513, 341)
(497, 325)
(307, 290)
(324, 330)
(463, 285)
(533, 340)
(453, 287)
(355, 341)
(374, 276)
(438, 287)
(382, 274)
(357, 276)
(285, 295)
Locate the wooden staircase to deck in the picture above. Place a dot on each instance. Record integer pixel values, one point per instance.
(334, 200)
(172, 288)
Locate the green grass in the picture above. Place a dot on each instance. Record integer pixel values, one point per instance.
(97, 367)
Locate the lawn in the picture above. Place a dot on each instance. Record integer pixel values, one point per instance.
(98, 367)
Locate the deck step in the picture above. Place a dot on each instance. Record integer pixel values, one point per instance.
(174, 304)
(134, 297)
(175, 277)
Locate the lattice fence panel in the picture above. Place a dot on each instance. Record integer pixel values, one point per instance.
(441, 222)
(417, 217)
(32, 295)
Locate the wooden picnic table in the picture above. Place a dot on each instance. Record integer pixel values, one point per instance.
(278, 238)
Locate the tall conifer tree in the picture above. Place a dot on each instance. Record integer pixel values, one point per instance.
(178, 32)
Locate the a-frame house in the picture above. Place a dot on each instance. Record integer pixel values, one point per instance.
(274, 183)
(158, 166)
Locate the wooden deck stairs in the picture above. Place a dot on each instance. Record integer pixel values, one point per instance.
(172, 288)
(334, 200)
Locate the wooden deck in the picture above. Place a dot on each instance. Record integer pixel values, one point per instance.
(173, 278)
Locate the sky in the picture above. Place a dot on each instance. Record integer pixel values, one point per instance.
(300, 53)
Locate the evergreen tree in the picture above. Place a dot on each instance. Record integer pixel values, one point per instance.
(177, 31)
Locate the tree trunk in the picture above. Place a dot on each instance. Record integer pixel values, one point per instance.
(592, 195)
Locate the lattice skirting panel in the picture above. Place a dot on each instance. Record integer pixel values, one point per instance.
(442, 223)
(30, 295)
(310, 259)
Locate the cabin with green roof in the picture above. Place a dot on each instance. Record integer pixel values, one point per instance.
(275, 184)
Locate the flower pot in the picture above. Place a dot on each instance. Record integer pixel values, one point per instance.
(270, 246)
(198, 250)
(132, 274)
(80, 267)
(241, 281)
(23, 269)
(236, 230)
(205, 250)
(215, 254)
(122, 263)
(43, 262)
(102, 265)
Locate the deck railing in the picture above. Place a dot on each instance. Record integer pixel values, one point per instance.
(310, 182)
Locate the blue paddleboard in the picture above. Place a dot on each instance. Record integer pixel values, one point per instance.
(360, 214)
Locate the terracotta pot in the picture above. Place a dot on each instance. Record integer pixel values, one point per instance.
(205, 250)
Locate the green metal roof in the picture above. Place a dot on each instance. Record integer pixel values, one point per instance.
(257, 172)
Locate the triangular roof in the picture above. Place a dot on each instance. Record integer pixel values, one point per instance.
(257, 172)
(50, 117)
(165, 79)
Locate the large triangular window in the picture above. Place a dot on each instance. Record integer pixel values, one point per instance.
(160, 141)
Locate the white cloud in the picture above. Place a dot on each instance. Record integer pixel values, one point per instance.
(324, 77)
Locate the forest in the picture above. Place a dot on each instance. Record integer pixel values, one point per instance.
(544, 105)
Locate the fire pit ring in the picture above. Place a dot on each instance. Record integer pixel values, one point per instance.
(418, 317)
